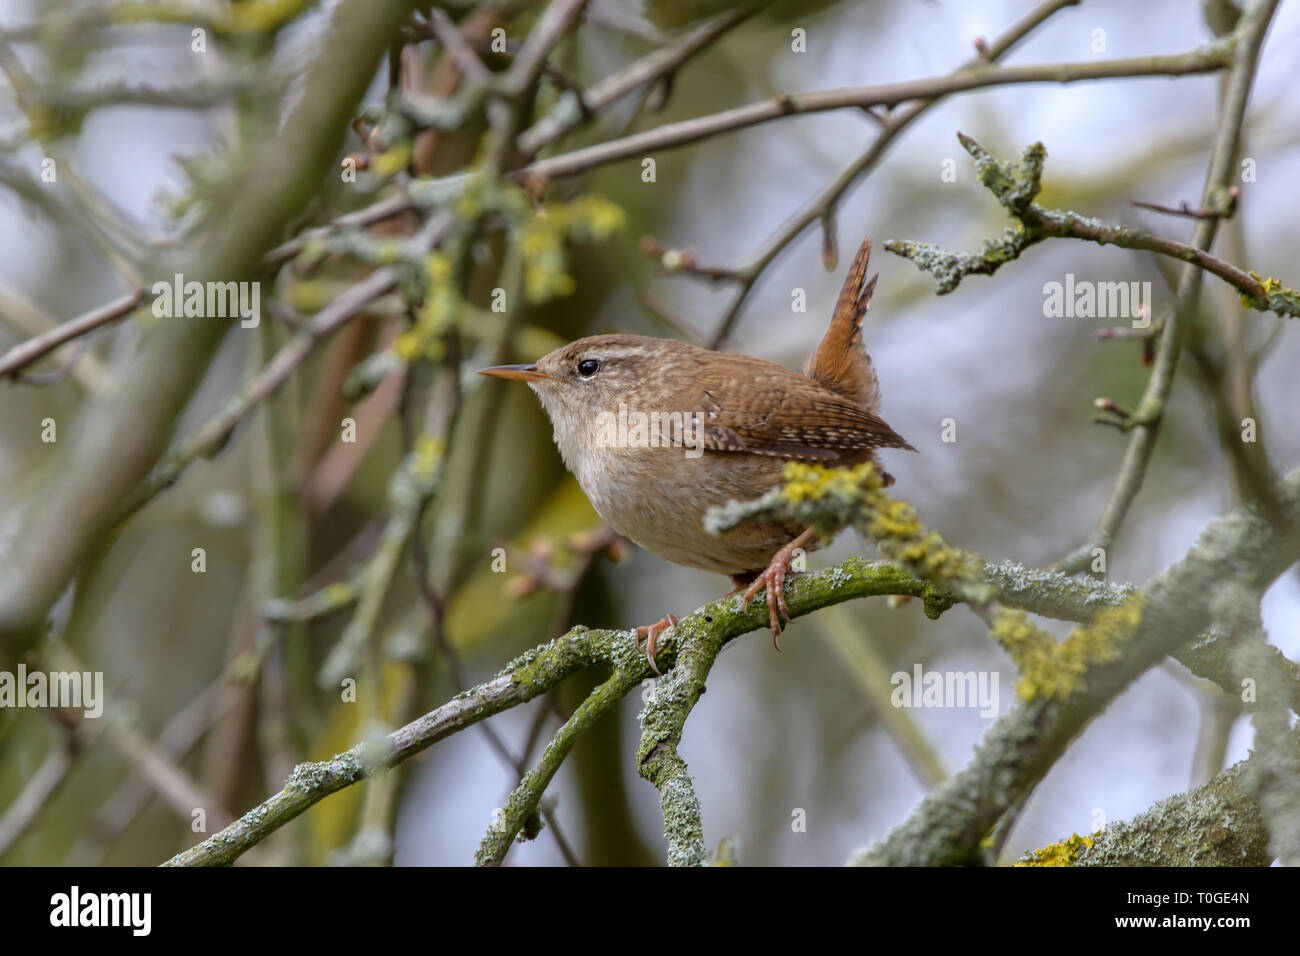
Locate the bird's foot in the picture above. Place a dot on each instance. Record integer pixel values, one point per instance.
(773, 579)
(650, 634)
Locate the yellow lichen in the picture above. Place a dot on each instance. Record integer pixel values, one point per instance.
(540, 240)
(816, 483)
(1276, 296)
(408, 346)
(594, 217)
(1049, 668)
(340, 592)
(437, 268)
(426, 456)
(391, 161)
(856, 495)
(1058, 854)
(387, 251)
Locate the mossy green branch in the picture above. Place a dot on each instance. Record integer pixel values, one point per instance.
(663, 724)
(511, 820)
(690, 649)
(537, 671)
(525, 678)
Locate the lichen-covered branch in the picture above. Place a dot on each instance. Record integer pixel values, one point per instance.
(1217, 824)
(1017, 752)
(831, 499)
(536, 672)
(524, 801)
(1208, 58)
(675, 696)
(1273, 777)
(1242, 548)
(1017, 184)
(524, 679)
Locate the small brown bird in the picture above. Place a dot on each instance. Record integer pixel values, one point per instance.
(658, 431)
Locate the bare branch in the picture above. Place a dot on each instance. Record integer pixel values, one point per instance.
(1207, 59)
(20, 356)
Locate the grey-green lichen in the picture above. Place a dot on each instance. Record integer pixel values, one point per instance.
(1217, 824)
(1016, 185)
(520, 818)
(681, 811)
(949, 267)
(1053, 594)
(312, 776)
(1277, 297)
(663, 724)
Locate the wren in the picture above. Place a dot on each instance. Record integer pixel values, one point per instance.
(658, 431)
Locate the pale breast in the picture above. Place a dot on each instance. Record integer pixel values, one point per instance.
(662, 508)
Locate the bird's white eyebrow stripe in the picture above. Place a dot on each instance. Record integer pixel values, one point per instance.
(607, 352)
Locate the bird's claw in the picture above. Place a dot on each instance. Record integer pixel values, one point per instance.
(650, 634)
(773, 579)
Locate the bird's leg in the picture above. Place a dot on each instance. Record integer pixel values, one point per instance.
(650, 634)
(773, 578)
(741, 581)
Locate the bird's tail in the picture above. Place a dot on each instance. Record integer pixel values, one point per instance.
(841, 362)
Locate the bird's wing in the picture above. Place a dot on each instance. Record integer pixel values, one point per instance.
(771, 410)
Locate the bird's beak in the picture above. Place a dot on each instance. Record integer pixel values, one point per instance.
(526, 373)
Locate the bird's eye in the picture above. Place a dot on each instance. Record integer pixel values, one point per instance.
(588, 367)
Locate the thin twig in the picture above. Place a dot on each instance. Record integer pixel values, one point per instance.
(554, 22)
(20, 356)
(42, 786)
(821, 207)
(1183, 209)
(458, 48)
(1249, 38)
(651, 68)
(675, 135)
